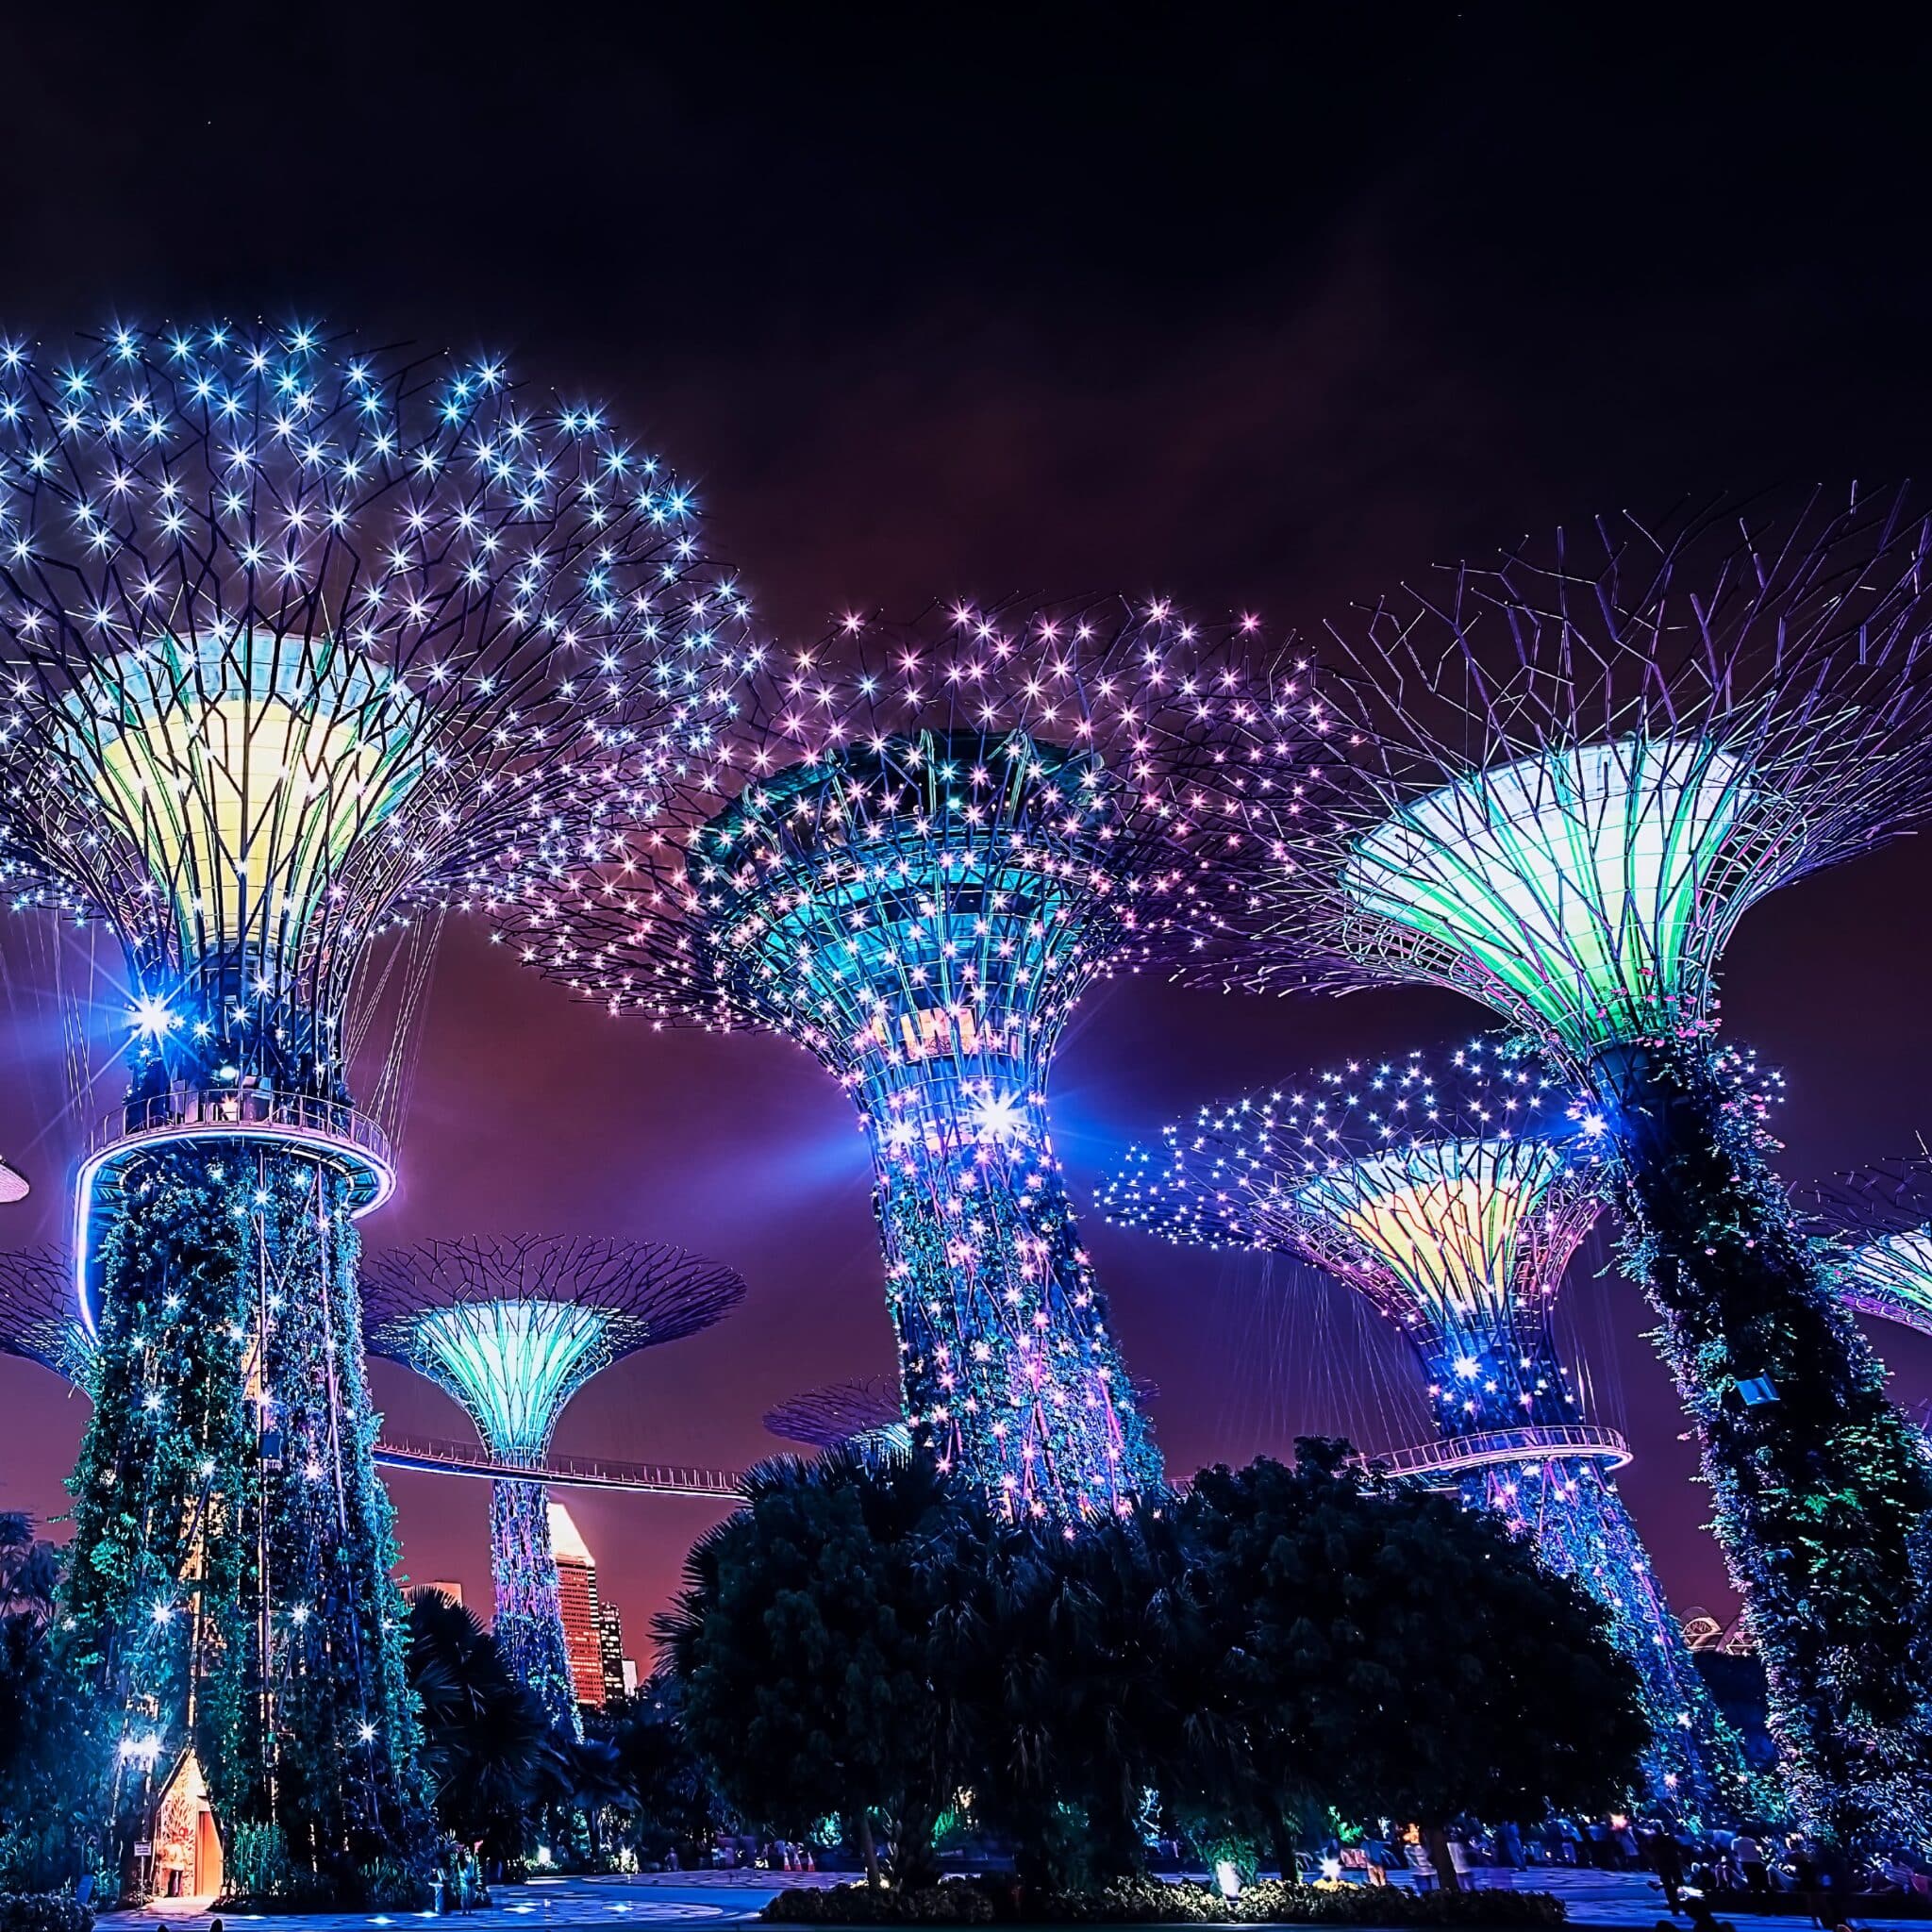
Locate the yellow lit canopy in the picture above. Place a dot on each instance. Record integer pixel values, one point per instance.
(244, 767)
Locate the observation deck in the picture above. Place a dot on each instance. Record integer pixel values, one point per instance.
(558, 1472)
(325, 1131)
(1497, 1448)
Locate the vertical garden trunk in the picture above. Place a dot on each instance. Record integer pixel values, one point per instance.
(1819, 1483)
(1008, 1360)
(528, 1625)
(235, 1594)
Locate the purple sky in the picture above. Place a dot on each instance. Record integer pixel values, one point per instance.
(938, 307)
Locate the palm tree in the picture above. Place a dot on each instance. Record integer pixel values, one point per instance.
(594, 1773)
(29, 1569)
(486, 1741)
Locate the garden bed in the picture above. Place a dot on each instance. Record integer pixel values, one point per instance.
(1150, 1902)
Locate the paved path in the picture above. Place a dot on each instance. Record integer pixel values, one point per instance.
(545, 1904)
(703, 1900)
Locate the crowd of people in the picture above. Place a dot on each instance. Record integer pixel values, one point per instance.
(1690, 1864)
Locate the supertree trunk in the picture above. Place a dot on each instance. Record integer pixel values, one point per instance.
(235, 1591)
(1572, 1513)
(1010, 1369)
(1568, 1506)
(1820, 1485)
(529, 1608)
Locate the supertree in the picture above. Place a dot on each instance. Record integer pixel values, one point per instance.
(913, 851)
(1454, 1197)
(299, 641)
(512, 1328)
(39, 1319)
(1568, 778)
(869, 1409)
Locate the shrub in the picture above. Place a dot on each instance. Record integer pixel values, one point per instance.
(958, 1901)
(1151, 1901)
(43, 1911)
(389, 1885)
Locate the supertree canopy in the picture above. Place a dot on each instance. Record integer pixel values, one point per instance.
(512, 1329)
(299, 640)
(869, 1410)
(914, 852)
(38, 1322)
(1568, 778)
(1453, 1197)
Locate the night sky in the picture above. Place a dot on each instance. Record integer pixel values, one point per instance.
(935, 302)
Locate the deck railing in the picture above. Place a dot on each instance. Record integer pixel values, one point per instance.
(209, 1109)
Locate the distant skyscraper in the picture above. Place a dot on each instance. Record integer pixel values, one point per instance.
(611, 1644)
(583, 1621)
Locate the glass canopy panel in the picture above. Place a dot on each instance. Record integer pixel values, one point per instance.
(1575, 881)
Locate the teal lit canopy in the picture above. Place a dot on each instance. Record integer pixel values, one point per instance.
(512, 1327)
(1593, 885)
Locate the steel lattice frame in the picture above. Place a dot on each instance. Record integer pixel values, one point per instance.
(912, 854)
(1570, 775)
(511, 1328)
(840, 1412)
(296, 639)
(1453, 1197)
(38, 1320)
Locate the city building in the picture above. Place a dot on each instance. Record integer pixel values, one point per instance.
(583, 1620)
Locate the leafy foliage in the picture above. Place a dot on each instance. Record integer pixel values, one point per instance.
(53, 1756)
(802, 1647)
(42, 1911)
(673, 1805)
(492, 1755)
(861, 1639)
(1404, 1656)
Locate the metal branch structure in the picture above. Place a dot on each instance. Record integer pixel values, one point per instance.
(512, 1328)
(913, 853)
(1453, 1196)
(869, 1410)
(38, 1322)
(1569, 777)
(1878, 1223)
(299, 641)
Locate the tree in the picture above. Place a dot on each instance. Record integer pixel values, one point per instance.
(486, 1743)
(1077, 1674)
(673, 1805)
(1404, 1656)
(53, 1746)
(29, 1569)
(592, 1770)
(800, 1646)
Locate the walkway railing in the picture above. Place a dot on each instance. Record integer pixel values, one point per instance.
(1584, 1440)
(580, 1471)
